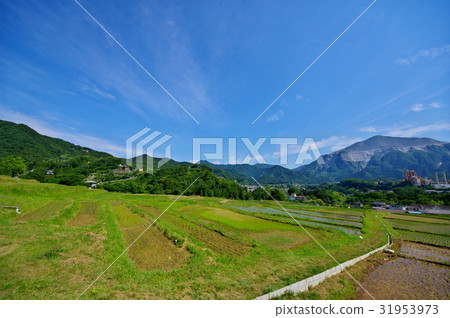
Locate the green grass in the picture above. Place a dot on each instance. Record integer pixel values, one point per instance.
(426, 227)
(199, 249)
(419, 218)
(427, 238)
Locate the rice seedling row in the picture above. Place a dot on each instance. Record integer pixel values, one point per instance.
(153, 251)
(413, 218)
(299, 216)
(46, 210)
(216, 241)
(427, 238)
(433, 228)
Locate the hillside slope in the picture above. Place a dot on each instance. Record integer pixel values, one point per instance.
(374, 158)
(381, 157)
(21, 140)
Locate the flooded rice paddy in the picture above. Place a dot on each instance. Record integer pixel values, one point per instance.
(413, 275)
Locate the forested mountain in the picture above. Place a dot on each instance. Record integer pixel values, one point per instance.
(375, 158)
(381, 157)
(20, 140)
(265, 174)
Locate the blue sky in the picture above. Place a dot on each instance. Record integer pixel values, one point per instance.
(225, 62)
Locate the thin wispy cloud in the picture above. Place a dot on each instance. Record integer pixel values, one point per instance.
(275, 117)
(94, 89)
(404, 109)
(435, 105)
(368, 129)
(336, 142)
(428, 53)
(417, 108)
(84, 49)
(408, 130)
(374, 109)
(421, 107)
(418, 130)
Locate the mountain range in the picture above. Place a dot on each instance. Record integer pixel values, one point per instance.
(375, 158)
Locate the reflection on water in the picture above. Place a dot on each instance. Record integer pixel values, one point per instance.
(350, 231)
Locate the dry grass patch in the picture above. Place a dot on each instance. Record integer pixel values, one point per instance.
(152, 251)
(212, 239)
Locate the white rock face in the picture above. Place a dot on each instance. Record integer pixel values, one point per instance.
(363, 157)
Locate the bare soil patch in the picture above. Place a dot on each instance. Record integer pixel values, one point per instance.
(425, 252)
(408, 279)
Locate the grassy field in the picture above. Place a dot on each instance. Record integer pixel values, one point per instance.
(200, 248)
(428, 229)
(427, 238)
(420, 228)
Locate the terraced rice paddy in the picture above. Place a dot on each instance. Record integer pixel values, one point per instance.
(422, 219)
(407, 279)
(46, 211)
(337, 221)
(87, 214)
(153, 251)
(208, 237)
(426, 227)
(198, 249)
(422, 229)
(427, 238)
(425, 252)
(282, 240)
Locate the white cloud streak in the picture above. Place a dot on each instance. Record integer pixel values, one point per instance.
(336, 142)
(417, 108)
(408, 130)
(418, 130)
(275, 117)
(421, 107)
(428, 53)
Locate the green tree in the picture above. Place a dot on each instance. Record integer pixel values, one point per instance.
(278, 194)
(12, 166)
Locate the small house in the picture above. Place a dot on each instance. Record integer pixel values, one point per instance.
(92, 184)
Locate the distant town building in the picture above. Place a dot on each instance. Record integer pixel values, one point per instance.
(379, 204)
(411, 176)
(250, 188)
(122, 169)
(92, 184)
(357, 204)
(295, 197)
(397, 207)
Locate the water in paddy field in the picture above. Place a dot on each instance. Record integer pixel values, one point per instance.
(333, 223)
(413, 275)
